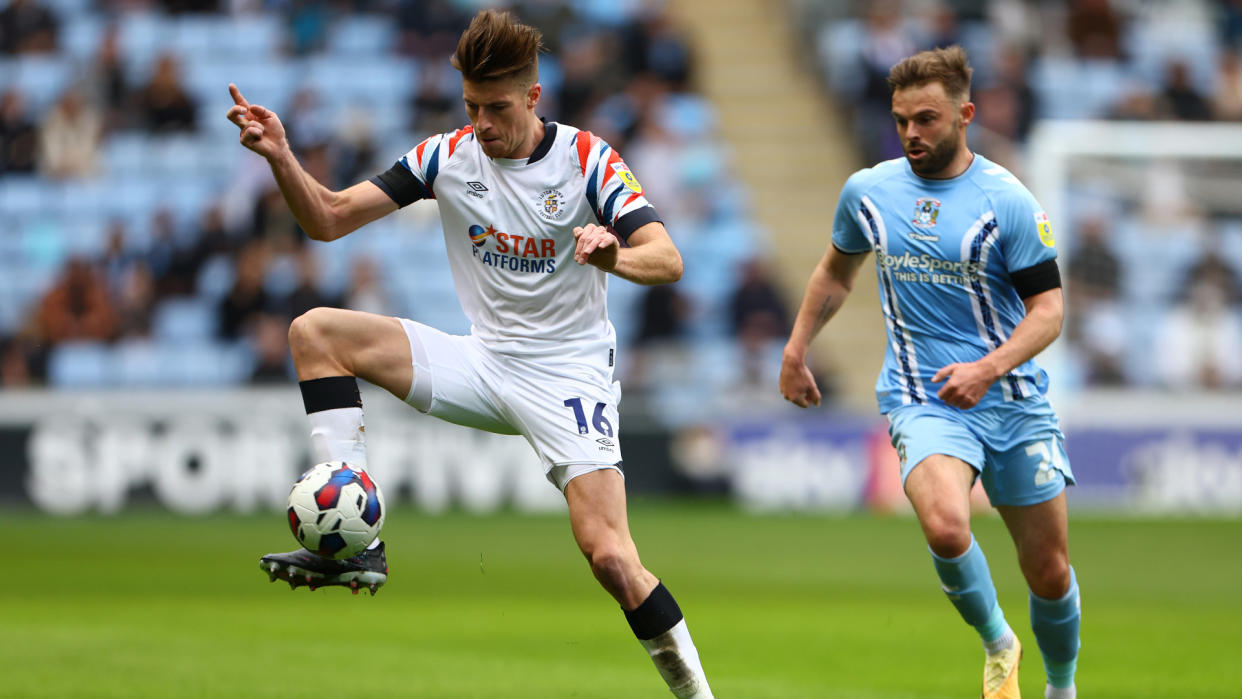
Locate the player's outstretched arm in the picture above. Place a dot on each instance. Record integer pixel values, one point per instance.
(969, 381)
(830, 284)
(322, 213)
(650, 258)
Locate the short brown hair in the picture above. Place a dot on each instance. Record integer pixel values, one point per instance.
(496, 46)
(949, 67)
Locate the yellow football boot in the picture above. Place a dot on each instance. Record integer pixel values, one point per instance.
(1000, 673)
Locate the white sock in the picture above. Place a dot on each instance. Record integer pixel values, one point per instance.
(1000, 644)
(1070, 692)
(677, 660)
(339, 435)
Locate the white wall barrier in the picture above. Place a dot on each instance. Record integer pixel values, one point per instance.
(241, 450)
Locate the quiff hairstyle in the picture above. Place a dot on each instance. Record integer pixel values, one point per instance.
(949, 67)
(496, 46)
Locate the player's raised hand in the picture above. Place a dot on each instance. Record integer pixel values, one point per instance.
(261, 130)
(797, 383)
(596, 245)
(967, 383)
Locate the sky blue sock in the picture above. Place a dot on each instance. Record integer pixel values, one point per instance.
(967, 582)
(1055, 622)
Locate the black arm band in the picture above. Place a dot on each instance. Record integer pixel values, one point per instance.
(401, 185)
(843, 251)
(634, 220)
(1036, 279)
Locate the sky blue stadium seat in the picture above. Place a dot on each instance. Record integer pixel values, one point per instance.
(80, 198)
(170, 364)
(139, 363)
(41, 78)
(22, 196)
(268, 83)
(1188, 37)
(1143, 324)
(84, 236)
(216, 278)
(203, 364)
(838, 45)
(688, 116)
(133, 200)
(281, 277)
(234, 363)
(143, 36)
(362, 35)
(263, 35)
(187, 195)
(125, 153)
(199, 37)
(364, 80)
(609, 12)
(44, 246)
(1078, 89)
(184, 320)
(1154, 260)
(81, 34)
(81, 365)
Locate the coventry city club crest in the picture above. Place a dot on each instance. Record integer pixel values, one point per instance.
(926, 210)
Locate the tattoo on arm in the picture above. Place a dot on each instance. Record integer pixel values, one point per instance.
(826, 310)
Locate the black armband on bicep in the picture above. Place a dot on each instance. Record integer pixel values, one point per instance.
(634, 220)
(401, 185)
(1036, 279)
(843, 251)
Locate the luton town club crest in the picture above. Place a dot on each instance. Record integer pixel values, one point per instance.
(926, 210)
(552, 204)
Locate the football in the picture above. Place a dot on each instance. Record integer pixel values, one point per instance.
(335, 510)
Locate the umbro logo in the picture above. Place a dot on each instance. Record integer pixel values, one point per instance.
(476, 189)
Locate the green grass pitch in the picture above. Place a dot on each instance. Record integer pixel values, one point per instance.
(151, 605)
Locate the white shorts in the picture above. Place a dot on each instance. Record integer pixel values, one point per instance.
(568, 412)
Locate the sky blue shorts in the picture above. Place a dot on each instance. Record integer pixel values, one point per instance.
(1016, 448)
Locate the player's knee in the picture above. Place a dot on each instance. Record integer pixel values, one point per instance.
(308, 332)
(1050, 578)
(609, 562)
(948, 535)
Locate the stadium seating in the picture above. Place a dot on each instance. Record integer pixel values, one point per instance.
(356, 75)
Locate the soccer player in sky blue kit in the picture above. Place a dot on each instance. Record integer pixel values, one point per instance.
(970, 292)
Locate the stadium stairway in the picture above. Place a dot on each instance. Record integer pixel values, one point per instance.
(791, 149)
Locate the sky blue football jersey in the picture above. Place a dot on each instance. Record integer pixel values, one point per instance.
(944, 253)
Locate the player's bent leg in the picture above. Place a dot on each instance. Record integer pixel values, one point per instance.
(331, 347)
(1041, 534)
(939, 489)
(600, 526)
(336, 342)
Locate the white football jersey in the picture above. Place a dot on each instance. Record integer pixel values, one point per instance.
(508, 227)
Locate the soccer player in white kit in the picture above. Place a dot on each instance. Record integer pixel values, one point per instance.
(534, 215)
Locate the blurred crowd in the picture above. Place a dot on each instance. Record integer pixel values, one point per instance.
(154, 233)
(1152, 261)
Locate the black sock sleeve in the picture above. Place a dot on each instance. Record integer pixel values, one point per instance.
(329, 393)
(657, 614)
